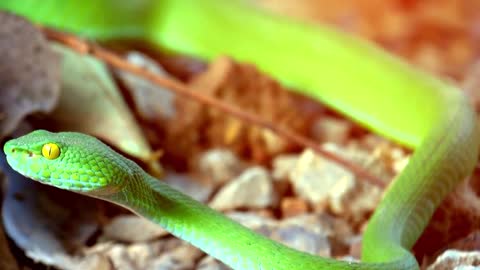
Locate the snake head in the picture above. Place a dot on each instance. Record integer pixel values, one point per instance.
(67, 160)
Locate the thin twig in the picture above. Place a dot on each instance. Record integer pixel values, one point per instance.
(118, 62)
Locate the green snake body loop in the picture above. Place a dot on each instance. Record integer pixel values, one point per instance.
(403, 104)
(129, 186)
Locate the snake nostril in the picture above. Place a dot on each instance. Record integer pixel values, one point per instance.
(30, 154)
(13, 150)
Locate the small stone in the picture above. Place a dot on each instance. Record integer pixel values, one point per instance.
(308, 233)
(219, 165)
(458, 260)
(95, 261)
(330, 129)
(180, 258)
(196, 188)
(400, 161)
(273, 142)
(169, 253)
(252, 220)
(359, 203)
(122, 258)
(131, 228)
(209, 263)
(300, 235)
(339, 194)
(324, 184)
(317, 180)
(355, 247)
(385, 159)
(252, 189)
(282, 166)
(293, 206)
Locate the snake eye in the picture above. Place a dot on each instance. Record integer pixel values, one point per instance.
(50, 151)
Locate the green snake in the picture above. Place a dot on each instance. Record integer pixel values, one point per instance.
(366, 84)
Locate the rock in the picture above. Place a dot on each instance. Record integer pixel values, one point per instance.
(457, 260)
(293, 206)
(209, 263)
(219, 165)
(318, 180)
(324, 184)
(273, 143)
(180, 258)
(355, 246)
(131, 228)
(400, 160)
(94, 261)
(352, 152)
(357, 204)
(308, 233)
(379, 156)
(252, 189)
(322, 233)
(282, 166)
(330, 129)
(166, 254)
(196, 188)
(302, 237)
(126, 257)
(253, 221)
(384, 160)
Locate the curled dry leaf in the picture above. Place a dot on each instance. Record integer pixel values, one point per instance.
(91, 103)
(29, 72)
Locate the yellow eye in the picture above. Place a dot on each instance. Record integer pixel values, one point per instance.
(50, 151)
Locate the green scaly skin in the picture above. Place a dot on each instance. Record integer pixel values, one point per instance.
(379, 91)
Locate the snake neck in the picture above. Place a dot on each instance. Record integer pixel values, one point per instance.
(218, 235)
(410, 201)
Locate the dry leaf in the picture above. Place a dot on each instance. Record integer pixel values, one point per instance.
(91, 103)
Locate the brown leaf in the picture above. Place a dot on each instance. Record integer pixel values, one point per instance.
(91, 103)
